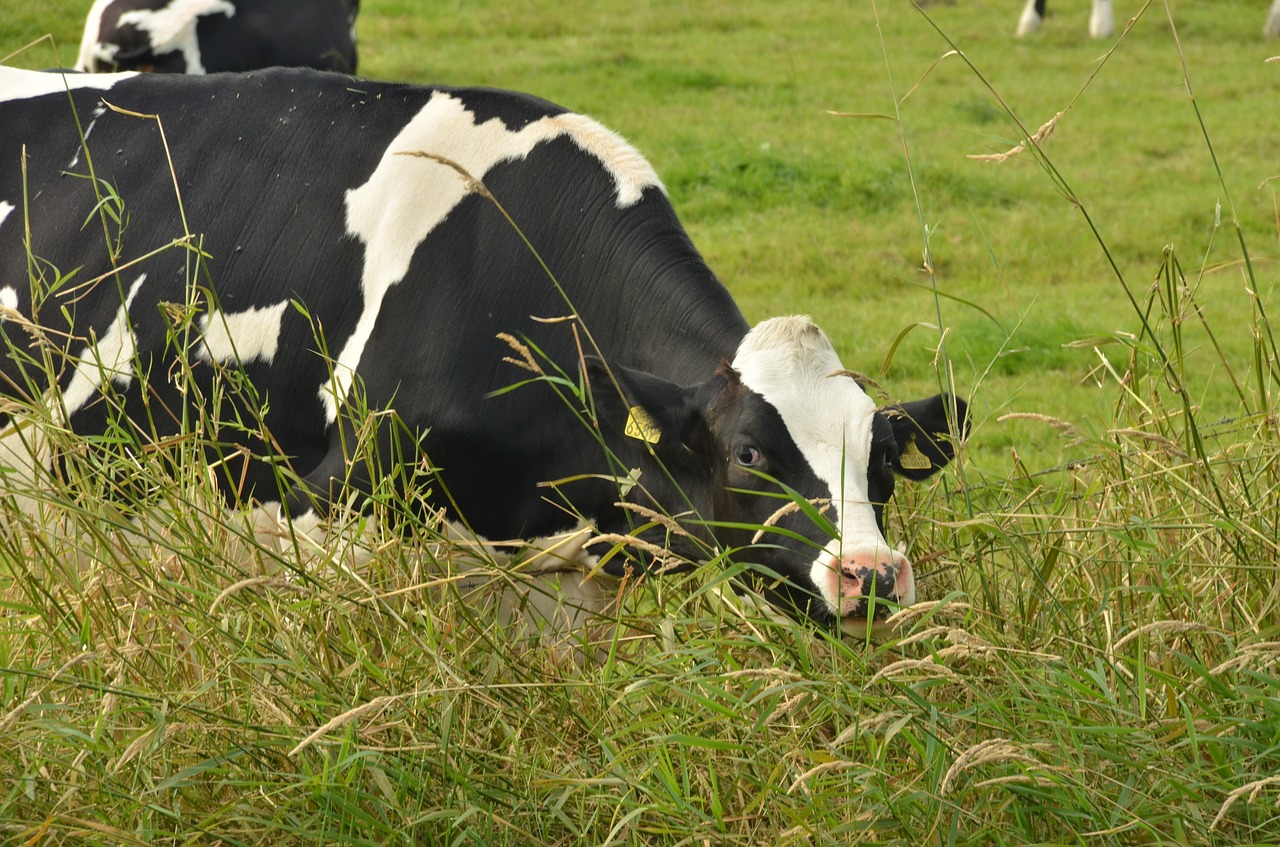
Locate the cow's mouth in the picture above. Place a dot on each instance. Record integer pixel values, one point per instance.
(858, 626)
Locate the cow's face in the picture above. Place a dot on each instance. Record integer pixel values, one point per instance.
(783, 433)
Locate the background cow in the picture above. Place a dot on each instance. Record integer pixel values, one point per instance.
(343, 219)
(1102, 21)
(208, 36)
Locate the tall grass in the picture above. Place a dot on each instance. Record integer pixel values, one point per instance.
(1096, 660)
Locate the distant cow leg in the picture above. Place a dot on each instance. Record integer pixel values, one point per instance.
(1032, 18)
(1271, 29)
(1101, 20)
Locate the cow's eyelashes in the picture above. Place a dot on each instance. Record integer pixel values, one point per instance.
(748, 455)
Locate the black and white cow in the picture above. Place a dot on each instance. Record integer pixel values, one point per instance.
(208, 36)
(1102, 21)
(311, 190)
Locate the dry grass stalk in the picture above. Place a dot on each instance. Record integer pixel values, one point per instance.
(473, 185)
(924, 635)
(1041, 135)
(255, 582)
(1016, 779)
(656, 517)
(16, 712)
(1149, 436)
(822, 503)
(660, 554)
(872, 724)
(1251, 788)
(905, 665)
(901, 618)
(1266, 651)
(1067, 429)
(992, 750)
(825, 767)
(786, 707)
(526, 360)
(1160, 627)
(374, 705)
(765, 673)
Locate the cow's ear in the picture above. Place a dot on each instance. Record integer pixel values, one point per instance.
(651, 409)
(923, 431)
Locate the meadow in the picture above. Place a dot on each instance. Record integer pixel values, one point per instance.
(1096, 657)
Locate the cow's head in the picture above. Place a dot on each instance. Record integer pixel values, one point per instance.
(782, 424)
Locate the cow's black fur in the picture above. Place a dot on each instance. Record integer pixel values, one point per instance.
(263, 162)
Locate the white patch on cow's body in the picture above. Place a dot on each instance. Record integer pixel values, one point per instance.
(243, 337)
(5, 209)
(18, 84)
(790, 363)
(97, 113)
(110, 356)
(168, 29)
(8, 298)
(407, 197)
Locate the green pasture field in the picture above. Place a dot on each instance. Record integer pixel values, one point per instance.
(1096, 660)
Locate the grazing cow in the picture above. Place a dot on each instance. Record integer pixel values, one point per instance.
(208, 36)
(337, 218)
(1102, 21)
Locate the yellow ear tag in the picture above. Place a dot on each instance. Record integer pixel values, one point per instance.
(640, 425)
(912, 459)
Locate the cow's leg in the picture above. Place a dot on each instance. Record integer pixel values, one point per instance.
(1271, 29)
(1032, 18)
(1101, 21)
(335, 474)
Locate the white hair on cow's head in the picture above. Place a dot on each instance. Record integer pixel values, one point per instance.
(791, 363)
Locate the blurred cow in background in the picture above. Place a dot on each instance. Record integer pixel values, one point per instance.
(208, 36)
(1102, 21)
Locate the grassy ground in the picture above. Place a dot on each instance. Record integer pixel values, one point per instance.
(1098, 662)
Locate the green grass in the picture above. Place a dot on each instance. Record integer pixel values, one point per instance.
(1097, 660)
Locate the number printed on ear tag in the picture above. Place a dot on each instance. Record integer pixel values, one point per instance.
(912, 459)
(642, 426)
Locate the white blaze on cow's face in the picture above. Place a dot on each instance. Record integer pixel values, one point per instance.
(791, 364)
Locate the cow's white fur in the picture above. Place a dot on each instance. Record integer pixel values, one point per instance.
(5, 209)
(97, 113)
(8, 294)
(1271, 29)
(170, 28)
(790, 363)
(17, 84)
(1101, 19)
(407, 197)
(243, 337)
(111, 356)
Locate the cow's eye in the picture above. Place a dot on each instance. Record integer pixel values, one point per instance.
(747, 455)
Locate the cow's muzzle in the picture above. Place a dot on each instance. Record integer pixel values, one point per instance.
(867, 584)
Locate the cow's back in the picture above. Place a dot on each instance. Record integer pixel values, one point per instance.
(334, 220)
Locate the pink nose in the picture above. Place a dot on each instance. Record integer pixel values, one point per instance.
(873, 572)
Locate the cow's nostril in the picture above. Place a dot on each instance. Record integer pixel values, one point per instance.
(859, 580)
